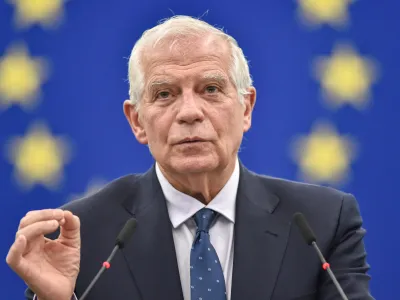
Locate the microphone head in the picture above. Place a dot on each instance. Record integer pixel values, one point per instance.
(126, 233)
(305, 229)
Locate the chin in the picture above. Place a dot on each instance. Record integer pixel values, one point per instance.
(194, 164)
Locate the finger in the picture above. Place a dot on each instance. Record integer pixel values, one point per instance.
(70, 231)
(14, 257)
(41, 215)
(37, 229)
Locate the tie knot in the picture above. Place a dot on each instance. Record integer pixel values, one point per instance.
(204, 218)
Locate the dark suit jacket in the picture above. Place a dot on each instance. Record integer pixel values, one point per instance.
(271, 260)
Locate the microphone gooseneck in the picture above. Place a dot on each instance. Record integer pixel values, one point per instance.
(310, 239)
(120, 242)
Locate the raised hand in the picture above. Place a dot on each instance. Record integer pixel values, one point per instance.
(49, 267)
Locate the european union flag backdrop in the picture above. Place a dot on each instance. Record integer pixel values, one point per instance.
(327, 112)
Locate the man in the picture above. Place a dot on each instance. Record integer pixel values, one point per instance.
(208, 228)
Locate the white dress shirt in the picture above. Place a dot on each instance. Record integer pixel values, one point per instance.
(182, 207)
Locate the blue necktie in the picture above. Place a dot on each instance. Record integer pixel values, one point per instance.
(206, 277)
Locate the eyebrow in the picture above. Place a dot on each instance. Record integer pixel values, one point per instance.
(215, 76)
(159, 82)
(220, 78)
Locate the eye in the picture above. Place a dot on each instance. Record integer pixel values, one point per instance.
(212, 89)
(163, 95)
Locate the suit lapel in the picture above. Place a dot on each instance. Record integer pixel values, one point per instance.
(260, 240)
(259, 247)
(151, 254)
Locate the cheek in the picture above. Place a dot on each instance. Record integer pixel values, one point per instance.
(158, 124)
(236, 129)
(229, 124)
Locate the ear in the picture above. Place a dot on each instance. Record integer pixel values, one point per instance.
(249, 101)
(133, 117)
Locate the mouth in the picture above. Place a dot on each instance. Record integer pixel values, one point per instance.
(191, 140)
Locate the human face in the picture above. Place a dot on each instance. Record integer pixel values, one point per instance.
(190, 114)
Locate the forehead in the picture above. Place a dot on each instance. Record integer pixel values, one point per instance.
(201, 57)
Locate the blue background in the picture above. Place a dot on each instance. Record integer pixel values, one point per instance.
(82, 99)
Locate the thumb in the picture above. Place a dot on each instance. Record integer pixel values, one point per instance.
(70, 231)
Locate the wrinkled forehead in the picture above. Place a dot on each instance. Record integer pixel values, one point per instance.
(183, 52)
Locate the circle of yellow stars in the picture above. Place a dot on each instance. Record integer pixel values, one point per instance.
(21, 77)
(317, 12)
(324, 156)
(48, 13)
(38, 157)
(346, 77)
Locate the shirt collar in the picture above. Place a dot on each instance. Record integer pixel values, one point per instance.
(181, 206)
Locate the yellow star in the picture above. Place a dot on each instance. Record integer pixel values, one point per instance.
(316, 12)
(38, 157)
(324, 156)
(20, 77)
(346, 77)
(46, 12)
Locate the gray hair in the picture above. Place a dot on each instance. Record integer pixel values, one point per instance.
(183, 27)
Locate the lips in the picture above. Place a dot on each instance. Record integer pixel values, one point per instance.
(191, 140)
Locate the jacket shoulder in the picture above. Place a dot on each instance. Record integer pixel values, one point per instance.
(298, 191)
(313, 200)
(112, 194)
(329, 211)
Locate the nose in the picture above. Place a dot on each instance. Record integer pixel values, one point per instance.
(190, 109)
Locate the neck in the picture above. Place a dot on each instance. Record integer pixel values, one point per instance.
(201, 186)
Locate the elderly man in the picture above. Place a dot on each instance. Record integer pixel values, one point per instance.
(208, 228)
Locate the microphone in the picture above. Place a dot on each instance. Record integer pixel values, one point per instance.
(311, 240)
(120, 243)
